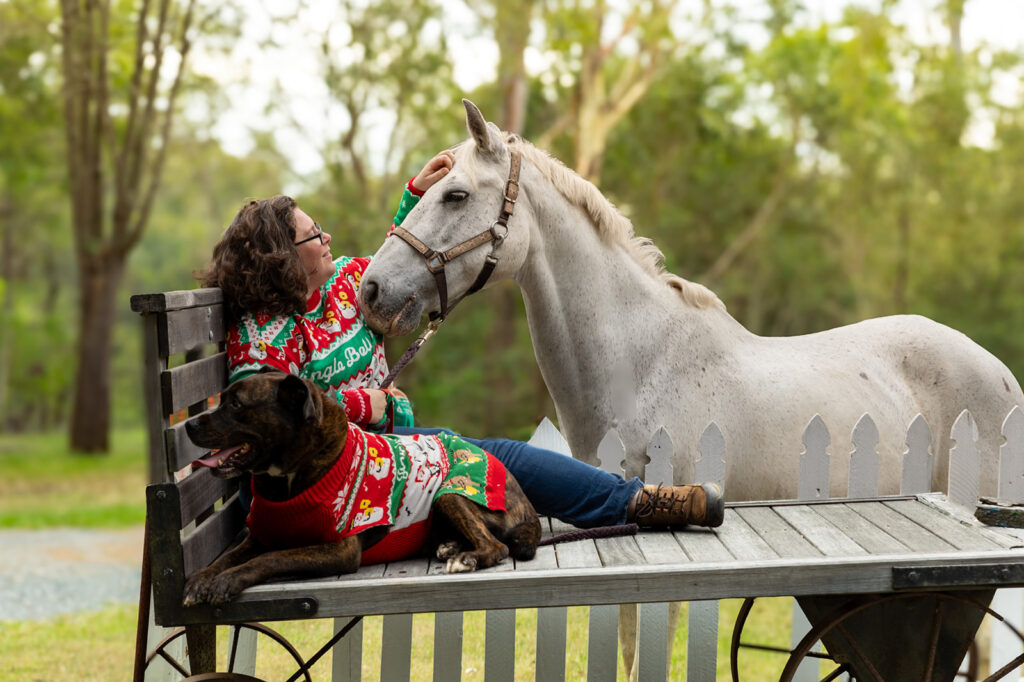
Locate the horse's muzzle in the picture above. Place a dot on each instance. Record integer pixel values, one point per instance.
(386, 313)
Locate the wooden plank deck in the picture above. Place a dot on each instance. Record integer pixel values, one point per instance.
(763, 549)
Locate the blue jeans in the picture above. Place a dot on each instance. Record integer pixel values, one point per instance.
(557, 485)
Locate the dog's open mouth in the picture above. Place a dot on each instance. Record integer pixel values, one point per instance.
(226, 460)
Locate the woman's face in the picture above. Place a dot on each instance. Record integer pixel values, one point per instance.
(315, 256)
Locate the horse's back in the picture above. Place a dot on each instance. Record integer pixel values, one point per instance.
(891, 368)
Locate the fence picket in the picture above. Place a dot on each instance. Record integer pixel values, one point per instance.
(547, 436)
(864, 459)
(611, 453)
(551, 624)
(499, 645)
(711, 467)
(813, 484)
(814, 461)
(702, 640)
(652, 643)
(396, 640)
(448, 645)
(1011, 458)
(963, 462)
(551, 621)
(917, 460)
(347, 654)
(659, 452)
(603, 644)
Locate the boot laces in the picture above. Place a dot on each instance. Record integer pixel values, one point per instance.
(665, 499)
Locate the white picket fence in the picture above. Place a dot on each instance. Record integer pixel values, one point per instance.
(813, 483)
(702, 642)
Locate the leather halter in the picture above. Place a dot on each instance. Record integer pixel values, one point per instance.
(495, 234)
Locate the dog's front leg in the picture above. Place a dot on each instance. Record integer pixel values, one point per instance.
(466, 518)
(200, 583)
(313, 561)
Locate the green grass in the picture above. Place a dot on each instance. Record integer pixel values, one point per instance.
(100, 646)
(43, 485)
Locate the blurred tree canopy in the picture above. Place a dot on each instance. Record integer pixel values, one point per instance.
(813, 173)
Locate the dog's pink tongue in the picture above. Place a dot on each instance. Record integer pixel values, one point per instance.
(215, 457)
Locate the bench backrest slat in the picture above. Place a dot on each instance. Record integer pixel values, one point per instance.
(198, 489)
(176, 300)
(180, 450)
(210, 539)
(184, 328)
(193, 382)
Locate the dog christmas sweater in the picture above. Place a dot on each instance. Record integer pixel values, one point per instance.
(381, 480)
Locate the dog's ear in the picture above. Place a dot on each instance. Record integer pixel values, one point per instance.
(295, 395)
(267, 369)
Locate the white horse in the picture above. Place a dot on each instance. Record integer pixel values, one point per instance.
(601, 308)
(609, 325)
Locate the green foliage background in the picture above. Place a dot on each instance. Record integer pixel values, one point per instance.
(843, 158)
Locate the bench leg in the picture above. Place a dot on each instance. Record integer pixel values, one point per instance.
(202, 648)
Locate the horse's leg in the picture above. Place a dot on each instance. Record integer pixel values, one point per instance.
(628, 633)
(627, 638)
(674, 608)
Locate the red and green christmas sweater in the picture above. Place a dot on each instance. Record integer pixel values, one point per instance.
(329, 343)
(381, 480)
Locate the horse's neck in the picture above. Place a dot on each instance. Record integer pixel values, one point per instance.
(595, 315)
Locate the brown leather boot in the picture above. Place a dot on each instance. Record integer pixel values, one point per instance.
(661, 506)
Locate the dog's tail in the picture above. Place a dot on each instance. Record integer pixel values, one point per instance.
(522, 540)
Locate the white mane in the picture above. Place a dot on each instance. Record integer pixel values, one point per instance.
(611, 225)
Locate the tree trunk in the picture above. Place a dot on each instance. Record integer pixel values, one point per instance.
(6, 305)
(90, 415)
(512, 22)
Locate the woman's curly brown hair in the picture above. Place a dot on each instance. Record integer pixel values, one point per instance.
(255, 262)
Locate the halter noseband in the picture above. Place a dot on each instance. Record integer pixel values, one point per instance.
(495, 234)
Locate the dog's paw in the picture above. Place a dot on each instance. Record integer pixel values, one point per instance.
(461, 563)
(206, 587)
(447, 550)
(197, 589)
(228, 585)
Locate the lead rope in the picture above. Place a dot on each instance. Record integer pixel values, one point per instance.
(591, 534)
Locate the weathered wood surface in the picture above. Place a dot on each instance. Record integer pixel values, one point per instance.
(769, 549)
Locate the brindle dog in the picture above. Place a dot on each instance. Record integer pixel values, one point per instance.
(288, 434)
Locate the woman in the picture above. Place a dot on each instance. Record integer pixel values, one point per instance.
(291, 306)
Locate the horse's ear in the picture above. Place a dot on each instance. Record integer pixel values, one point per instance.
(486, 135)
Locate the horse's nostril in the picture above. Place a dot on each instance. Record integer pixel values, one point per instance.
(369, 291)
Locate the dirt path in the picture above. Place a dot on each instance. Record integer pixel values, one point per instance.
(44, 573)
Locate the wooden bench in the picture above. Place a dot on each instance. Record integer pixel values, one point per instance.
(764, 549)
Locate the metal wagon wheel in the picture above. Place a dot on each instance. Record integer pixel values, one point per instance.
(852, 657)
(896, 655)
(161, 650)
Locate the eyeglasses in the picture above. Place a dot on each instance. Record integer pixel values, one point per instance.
(319, 234)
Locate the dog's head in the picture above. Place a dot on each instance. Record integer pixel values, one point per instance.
(268, 423)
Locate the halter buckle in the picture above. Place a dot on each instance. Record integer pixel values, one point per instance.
(435, 261)
(497, 236)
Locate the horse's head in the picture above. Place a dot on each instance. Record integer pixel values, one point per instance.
(454, 230)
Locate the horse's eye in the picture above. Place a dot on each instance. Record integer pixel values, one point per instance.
(455, 195)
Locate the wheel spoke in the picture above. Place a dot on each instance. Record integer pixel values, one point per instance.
(836, 673)
(173, 662)
(234, 630)
(860, 654)
(933, 644)
(1005, 670)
